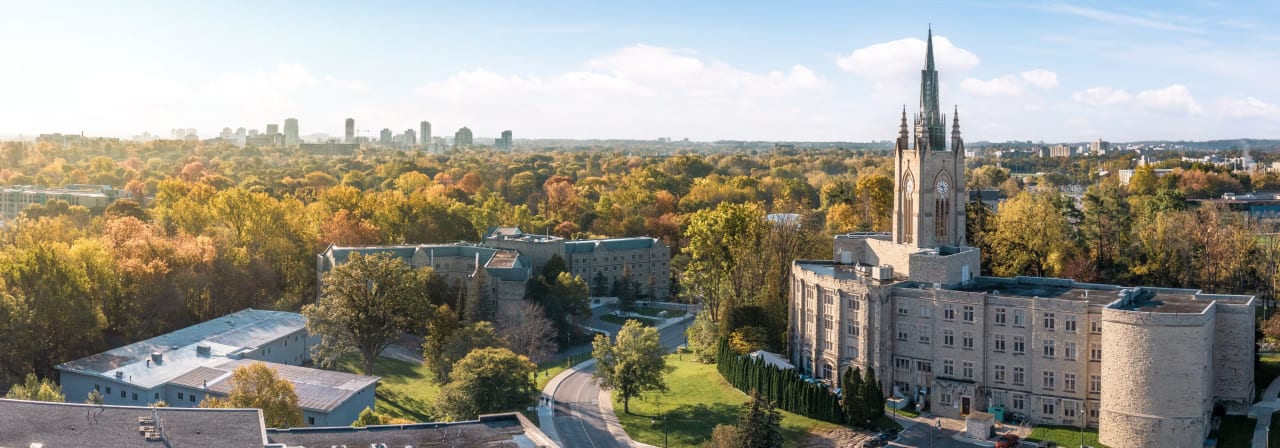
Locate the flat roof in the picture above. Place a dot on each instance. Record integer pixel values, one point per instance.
(317, 389)
(490, 430)
(245, 329)
(28, 423)
(1137, 298)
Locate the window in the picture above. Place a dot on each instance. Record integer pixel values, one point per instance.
(902, 310)
(948, 337)
(851, 329)
(108, 390)
(923, 331)
(1095, 325)
(1048, 380)
(853, 304)
(926, 310)
(1093, 413)
(998, 374)
(1019, 345)
(1069, 409)
(828, 298)
(968, 313)
(1048, 407)
(1048, 348)
(948, 367)
(311, 421)
(948, 312)
(945, 398)
(826, 345)
(192, 398)
(181, 396)
(157, 397)
(966, 369)
(1069, 324)
(827, 323)
(999, 343)
(850, 352)
(1095, 351)
(1018, 376)
(122, 393)
(1048, 321)
(1019, 402)
(808, 316)
(135, 396)
(1095, 384)
(903, 332)
(1068, 382)
(902, 363)
(1019, 318)
(967, 340)
(1069, 350)
(95, 387)
(924, 366)
(1001, 315)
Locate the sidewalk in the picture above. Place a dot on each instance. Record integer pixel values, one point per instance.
(1262, 411)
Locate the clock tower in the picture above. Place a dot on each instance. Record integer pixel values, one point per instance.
(929, 191)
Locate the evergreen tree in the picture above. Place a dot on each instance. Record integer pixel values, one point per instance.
(760, 425)
(853, 403)
(874, 396)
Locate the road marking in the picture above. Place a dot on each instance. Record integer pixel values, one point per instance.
(577, 409)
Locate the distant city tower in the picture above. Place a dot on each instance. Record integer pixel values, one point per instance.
(291, 132)
(351, 131)
(424, 134)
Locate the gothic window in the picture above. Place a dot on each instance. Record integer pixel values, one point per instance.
(908, 209)
(942, 210)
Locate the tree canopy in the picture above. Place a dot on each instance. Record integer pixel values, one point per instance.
(632, 364)
(259, 386)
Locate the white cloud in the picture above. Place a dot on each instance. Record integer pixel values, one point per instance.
(904, 57)
(1102, 96)
(1248, 107)
(1003, 86)
(636, 89)
(1152, 21)
(1174, 98)
(1040, 78)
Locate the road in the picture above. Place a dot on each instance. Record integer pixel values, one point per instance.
(579, 419)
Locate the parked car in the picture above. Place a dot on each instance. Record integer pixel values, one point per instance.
(1007, 441)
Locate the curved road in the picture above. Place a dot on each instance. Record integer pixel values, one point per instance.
(579, 419)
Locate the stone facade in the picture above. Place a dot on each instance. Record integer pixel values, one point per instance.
(1144, 365)
(646, 260)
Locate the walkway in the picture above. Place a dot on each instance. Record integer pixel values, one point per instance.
(1262, 411)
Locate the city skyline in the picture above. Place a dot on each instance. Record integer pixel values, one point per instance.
(1042, 71)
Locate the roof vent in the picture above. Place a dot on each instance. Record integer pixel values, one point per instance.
(119, 374)
(156, 357)
(203, 350)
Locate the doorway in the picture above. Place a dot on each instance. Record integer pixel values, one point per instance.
(964, 405)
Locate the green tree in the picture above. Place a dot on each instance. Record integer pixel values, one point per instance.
(724, 267)
(632, 364)
(259, 386)
(853, 402)
(760, 424)
(873, 396)
(1032, 237)
(487, 380)
(365, 305)
(94, 398)
(703, 337)
(458, 344)
(367, 418)
(36, 389)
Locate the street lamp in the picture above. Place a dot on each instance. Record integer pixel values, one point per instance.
(934, 434)
(1084, 420)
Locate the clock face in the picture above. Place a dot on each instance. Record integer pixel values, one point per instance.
(942, 186)
(911, 185)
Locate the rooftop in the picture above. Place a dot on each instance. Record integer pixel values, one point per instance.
(318, 390)
(1140, 298)
(35, 423)
(225, 336)
(498, 430)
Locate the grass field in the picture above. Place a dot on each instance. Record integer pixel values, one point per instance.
(1236, 432)
(619, 320)
(698, 400)
(1267, 370)
(405, 391)
(1065, 436)
(909, 412)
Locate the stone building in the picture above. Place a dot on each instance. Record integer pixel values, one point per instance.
(645, 260)
(1144, 365)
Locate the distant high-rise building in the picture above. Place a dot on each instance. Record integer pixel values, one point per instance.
(351, 131)
(462, 138)
(410, 138)
(273, 129)
(385, 137)
(1099, 147)
(424, 134)
(504, 143)
(291, 132)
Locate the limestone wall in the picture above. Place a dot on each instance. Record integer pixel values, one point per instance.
(1157, 384)
(1233, 356)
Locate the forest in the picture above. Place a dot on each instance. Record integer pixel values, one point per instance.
(204, 229)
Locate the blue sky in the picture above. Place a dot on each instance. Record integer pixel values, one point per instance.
(1052, 71)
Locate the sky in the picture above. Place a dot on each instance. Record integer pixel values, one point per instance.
(707, 70)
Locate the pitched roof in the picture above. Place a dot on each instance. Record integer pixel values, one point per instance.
(511, 429)
(318, 390)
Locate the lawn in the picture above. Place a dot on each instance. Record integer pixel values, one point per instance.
(909, 412)
(1065, 435)
(1236, 431)
(698, 400)
(405, 390)
(1268, 369)
(619, 320)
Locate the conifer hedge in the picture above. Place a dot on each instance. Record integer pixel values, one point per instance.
(784, 387)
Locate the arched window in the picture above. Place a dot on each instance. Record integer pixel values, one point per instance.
(942, 208)
(908, 208)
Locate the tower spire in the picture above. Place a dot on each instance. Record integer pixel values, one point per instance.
(933, 122)
(928, 55)
(903, 138)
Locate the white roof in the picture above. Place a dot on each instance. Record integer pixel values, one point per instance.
(773, 359)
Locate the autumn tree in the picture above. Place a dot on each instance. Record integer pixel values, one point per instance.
(257, 385)
(631, 365)
(486, 381)
(457, 345)
(36, 389)
(724, 267)
(527, 331)
(1031, 237)
(365, 305)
